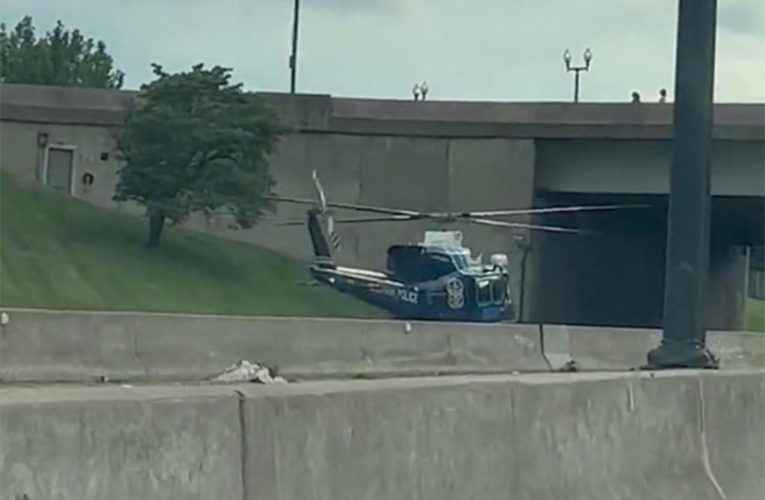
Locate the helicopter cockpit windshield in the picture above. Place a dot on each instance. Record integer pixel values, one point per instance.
(461, 260)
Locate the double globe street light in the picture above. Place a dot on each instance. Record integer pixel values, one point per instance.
(576, 69)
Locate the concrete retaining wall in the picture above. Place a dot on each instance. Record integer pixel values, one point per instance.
(40, 346)
(535, 436)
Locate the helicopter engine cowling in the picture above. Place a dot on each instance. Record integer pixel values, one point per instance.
(499, 260)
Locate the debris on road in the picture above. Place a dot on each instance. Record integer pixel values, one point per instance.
(244, 371)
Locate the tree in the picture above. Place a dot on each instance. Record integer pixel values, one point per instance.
(197, 143)
(62, 57)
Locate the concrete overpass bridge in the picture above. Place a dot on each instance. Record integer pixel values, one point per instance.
(436, 155)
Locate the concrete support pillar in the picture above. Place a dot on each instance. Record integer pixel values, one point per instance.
(726, 292)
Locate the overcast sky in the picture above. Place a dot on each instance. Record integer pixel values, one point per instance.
(465, 49)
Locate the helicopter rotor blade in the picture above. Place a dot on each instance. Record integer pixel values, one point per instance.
(520, 225)
(289, 223)
(472, 220)
(379, 210)
(354, 220)
(549, 210)
(400, 214)
(350, 206)
(390, 218)
(485, 222)
(333, 236)
(289, 199)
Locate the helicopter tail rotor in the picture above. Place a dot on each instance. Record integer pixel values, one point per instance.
(321, 221)
(321, 247)
(321, 197)
(334, 238)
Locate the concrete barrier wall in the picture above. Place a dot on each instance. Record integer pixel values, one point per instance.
(734, 432)
(72, 346)
(533, 436)
(38, 346)
(607, 348)
(119, 444)
(597, 348)
(738, 349)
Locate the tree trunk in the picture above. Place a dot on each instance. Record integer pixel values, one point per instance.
(156, 224)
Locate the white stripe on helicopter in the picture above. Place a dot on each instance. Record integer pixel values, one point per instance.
(363, 275)
(395, 290)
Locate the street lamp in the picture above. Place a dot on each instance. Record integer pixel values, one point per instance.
(576, 69)
(293, 55)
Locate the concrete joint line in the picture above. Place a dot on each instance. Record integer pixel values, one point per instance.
(542, 347)
(704, 446)
(449, 175)
(556, 361)
(137, 353)
(244, 454)
(450, 356)
(630, 395)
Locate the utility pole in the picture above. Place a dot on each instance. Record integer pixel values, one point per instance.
(293, 55)
(683, 343)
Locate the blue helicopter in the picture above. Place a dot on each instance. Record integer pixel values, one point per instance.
(436, 279)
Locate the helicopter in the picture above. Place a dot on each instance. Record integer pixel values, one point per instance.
(436, 279)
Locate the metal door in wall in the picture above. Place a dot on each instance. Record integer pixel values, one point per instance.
(58, 172)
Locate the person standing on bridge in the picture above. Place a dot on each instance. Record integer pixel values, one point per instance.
(424, 90)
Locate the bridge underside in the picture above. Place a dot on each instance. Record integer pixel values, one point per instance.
(615, 275)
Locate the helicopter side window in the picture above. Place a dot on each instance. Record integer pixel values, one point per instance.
(416, 264)
(407, 264)
(436, 265)
(461, 261)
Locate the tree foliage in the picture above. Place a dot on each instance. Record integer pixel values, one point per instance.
(197, 143)
(61, 57)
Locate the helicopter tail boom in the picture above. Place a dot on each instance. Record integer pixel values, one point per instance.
(321, 245)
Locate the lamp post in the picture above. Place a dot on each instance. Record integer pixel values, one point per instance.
(576, 69)
(293, 55)
(683, 343)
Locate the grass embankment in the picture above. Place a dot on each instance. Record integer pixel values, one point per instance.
(756, 315)
(61, 253)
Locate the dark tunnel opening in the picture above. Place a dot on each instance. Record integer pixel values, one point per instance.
(614, 273)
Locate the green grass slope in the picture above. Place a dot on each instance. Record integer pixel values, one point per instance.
(61, 253)
(756, 315)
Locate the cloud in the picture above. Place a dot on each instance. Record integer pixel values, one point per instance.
(345, 7)
(477, 50)
(745, 17)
